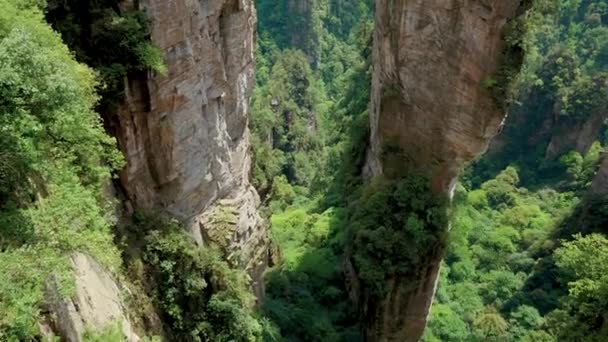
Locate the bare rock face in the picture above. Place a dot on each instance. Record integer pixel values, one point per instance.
(560, 133)
(428, 105)
(577, 135)
(185, 134)
(95, 305)
(429, 115)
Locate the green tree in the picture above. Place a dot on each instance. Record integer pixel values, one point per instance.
(583, 264)
(523, 320)
(490, 326)
(446, 325)
(55, 159)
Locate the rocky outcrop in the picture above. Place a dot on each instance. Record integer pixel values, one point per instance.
(568, 134)
(429, 115)
(530, 128)
(95, 305)
(599, 185)
(184, 134)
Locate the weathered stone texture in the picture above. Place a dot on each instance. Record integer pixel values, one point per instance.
(185, 134)
(429, 115)
(428, 102)
(96, 303)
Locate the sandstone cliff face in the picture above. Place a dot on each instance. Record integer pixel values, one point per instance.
(185, 134)
(429, 115)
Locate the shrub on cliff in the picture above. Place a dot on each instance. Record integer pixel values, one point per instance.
(199, 296)
(54, 158)
(395, 226)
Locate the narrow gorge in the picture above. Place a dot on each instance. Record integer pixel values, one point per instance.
(303, 170)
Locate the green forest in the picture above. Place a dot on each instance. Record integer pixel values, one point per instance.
(527, 255)
(523, 264)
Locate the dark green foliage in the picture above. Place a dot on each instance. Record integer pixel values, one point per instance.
(114, 42)
(306, 294)
(562, 83)
(309, 147)
(502, 85)
(567, 62)
(582, 265)
(291, 24)
(503, 255)
(307, 94)
(516, 256)
(54, 157)
(344, 15)
(318, 28)
(396, 225)
(500, 281)
(287, 113)
(200, 296)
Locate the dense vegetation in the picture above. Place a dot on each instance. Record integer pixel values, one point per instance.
(395, 225)
(528, 252)
(310, 126)
(561, 85)
(197, 294)
(110, 38)
(55, 157)
(518, 267)
(510, 273)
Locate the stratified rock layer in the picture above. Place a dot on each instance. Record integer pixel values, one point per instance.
(429, 115)
(185, 134)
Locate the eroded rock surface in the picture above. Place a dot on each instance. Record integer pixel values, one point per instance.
(574, 135)
(185, 134)
(429, 115)
(559, 133)
(96, 304)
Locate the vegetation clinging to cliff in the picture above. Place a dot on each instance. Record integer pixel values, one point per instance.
(396, 226)
(199, 296)
(507, 275)
(562, 84)
(110, 38)
(500, 281)
(55, 157)
(306, 294)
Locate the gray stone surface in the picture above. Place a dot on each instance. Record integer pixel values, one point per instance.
(185, 134)
(95, 305)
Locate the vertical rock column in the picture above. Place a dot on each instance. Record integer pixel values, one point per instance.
(429, 115)
(185, 134)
